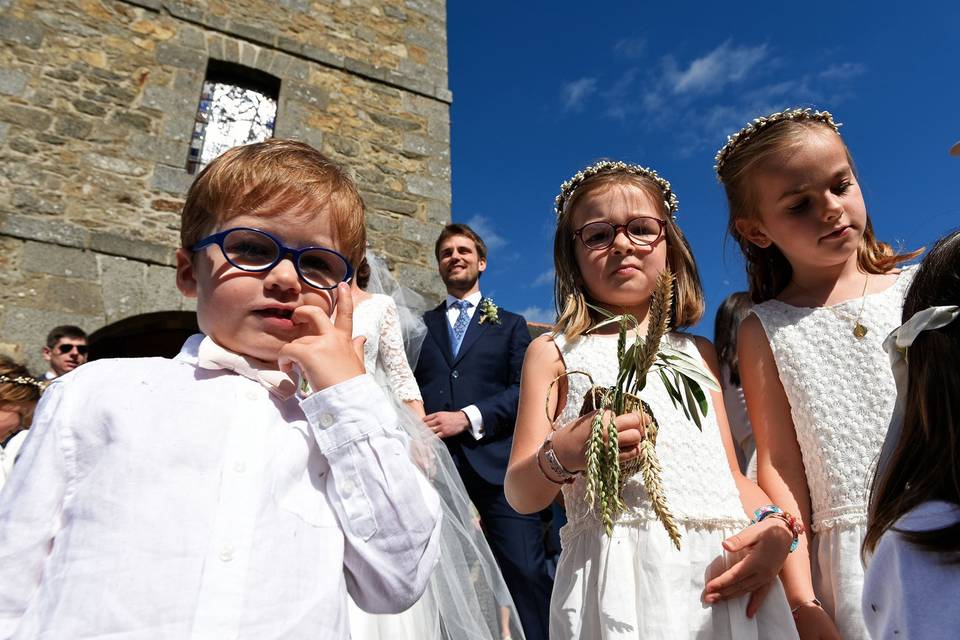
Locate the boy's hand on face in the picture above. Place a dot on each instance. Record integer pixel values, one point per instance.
(326, 351)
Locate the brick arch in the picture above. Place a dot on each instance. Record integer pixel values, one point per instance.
(160, 333)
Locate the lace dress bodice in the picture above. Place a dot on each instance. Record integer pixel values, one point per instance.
(376, 318)
(699, 487)
(841, 393)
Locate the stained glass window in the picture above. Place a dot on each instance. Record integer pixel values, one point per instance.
(237, 106)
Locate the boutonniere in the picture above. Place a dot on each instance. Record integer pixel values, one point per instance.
(490, 311)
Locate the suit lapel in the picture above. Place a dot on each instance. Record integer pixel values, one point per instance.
(436, 321)
(474, 331)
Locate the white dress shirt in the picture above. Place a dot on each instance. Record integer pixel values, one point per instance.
(154, 499)
(909, 593)
(472, 412)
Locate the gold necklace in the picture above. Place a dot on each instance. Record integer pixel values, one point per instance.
(859, 331)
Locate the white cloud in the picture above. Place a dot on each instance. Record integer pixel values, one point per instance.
(576, 93)
(483, 227)
(544, 278)
(630, 47)
(724, 65)
(539, 314)
(843, 71)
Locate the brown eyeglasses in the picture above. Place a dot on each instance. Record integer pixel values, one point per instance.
(642, 231)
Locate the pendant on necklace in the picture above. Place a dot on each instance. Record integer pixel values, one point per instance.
(859, 330)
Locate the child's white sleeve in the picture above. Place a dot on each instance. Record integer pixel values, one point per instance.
(389, 513)
(31, 508)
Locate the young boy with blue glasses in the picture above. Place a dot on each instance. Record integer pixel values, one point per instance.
(213, 495)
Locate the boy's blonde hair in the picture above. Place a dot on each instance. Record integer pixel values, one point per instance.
(768, 270)
(272, 176)
(574, 316)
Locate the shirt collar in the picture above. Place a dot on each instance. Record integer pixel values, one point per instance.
(201, 351)
(474, 299)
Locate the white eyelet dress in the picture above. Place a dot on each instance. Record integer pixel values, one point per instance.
(841, 393)
(636, 584)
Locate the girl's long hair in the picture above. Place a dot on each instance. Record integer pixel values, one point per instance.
(726, 325)
(574, 316)
(926, 462)
(768, 270)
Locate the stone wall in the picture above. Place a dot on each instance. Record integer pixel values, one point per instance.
(97, 104)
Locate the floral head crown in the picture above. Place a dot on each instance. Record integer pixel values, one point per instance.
(24, 380)
(567, 188)
(759, 124)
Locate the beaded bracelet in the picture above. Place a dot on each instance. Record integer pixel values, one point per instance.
(773, 511)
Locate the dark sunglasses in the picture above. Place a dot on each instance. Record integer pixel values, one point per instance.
(642, 230)
(64, 349)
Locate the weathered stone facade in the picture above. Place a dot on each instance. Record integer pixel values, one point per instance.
(97, 104)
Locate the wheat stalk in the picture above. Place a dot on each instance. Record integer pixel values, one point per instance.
(658, 324)
(650, 470)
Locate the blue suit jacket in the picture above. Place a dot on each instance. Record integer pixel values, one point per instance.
(485, 373)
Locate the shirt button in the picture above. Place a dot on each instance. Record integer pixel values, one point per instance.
(326, 420)
(455, 374)
(348, 488)
(226, 553)
(240, 466)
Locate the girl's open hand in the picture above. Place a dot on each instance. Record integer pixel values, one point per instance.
(326, 352)
(765, 545)
(570, 442)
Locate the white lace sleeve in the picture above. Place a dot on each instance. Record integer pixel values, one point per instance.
(393, 356)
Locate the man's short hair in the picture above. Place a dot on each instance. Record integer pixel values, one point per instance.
(457, 229)
(272, 176)
(65, 331)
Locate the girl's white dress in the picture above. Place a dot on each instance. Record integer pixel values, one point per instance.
(376, 319)
(466, 592)
(636, 584)
(841, 394)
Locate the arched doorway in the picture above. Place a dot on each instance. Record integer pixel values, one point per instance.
(161, 333)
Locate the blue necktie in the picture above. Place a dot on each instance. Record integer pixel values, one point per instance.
(460, 326)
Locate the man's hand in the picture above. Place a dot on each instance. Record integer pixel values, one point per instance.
(447, 423)
(326, 352)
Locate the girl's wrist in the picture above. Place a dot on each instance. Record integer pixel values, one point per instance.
(773, 513)
(795, 609)
(550, 465)
(559, 442)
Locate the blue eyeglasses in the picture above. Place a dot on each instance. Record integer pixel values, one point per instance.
(255, 250)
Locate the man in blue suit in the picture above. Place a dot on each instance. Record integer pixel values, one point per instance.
(469, 375)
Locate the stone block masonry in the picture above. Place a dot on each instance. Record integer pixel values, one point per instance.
(97, 105)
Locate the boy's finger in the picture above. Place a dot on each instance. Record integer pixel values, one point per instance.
(344, 320)
(312, 320)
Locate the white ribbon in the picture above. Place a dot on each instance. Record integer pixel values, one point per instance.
(896, 345)
(212, 356)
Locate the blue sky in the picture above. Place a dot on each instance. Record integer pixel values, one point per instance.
(541, 89)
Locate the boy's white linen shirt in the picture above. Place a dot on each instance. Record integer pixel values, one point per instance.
(154, 499)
